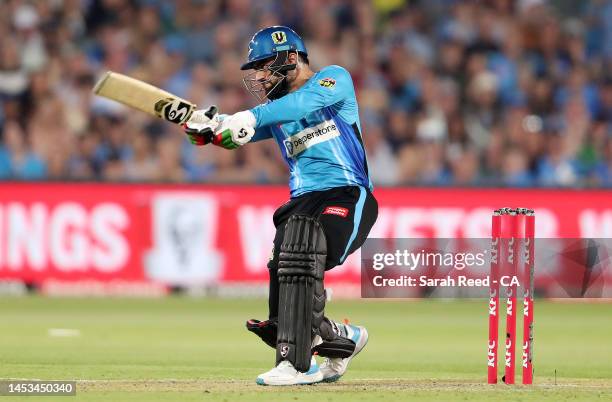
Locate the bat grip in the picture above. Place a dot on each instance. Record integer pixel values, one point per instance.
(211, 112)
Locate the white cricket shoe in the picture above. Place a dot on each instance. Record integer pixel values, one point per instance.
(285, 374)
(333, 368)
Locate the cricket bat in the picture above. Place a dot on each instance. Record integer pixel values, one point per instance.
(145, 97)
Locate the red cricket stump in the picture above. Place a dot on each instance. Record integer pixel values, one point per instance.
(513, 264)
(528, 300)
(511, 230)
(494, 298)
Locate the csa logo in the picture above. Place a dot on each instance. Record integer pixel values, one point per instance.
(279, 37)
(327, 82)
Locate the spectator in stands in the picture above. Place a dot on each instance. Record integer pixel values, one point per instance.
(17, 161)
(451, 93)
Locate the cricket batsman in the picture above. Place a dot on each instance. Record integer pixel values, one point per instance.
(314, 119)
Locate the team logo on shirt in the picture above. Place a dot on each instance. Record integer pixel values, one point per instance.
(327, 82)
(279, 37)
(311, 136)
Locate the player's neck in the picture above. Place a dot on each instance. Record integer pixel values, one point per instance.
(304, 74)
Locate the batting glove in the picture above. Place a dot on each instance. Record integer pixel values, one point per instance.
(201, 125)
(208, 116)
(232, 132)
(235, 130)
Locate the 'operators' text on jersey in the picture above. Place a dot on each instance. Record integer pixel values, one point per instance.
(318, 130)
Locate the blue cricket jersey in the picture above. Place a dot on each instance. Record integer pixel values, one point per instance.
(318, 131)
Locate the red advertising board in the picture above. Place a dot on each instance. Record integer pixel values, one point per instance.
(201, 234)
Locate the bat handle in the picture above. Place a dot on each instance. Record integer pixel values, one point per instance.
(211, 112)
(209, 117)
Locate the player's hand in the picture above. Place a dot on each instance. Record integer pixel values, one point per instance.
(209, 117)
(199, 134)
(201, 126)
(232, 132)
(235, 130)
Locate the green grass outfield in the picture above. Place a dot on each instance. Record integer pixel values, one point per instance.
(183, 349)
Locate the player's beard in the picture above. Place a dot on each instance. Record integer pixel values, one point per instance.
(278, 90)
(271, 88)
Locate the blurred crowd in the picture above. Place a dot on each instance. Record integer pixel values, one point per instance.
(499, 92)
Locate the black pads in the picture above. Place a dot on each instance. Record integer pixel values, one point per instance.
(266, 330)
(301, 266)
(334, 343)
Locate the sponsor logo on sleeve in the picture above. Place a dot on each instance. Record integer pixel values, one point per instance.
(310, 136)
(327, 82)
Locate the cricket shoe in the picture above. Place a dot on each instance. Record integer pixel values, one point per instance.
(285, 374)
(334, 368)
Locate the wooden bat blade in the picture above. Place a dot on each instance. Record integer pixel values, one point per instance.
(145, 97)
